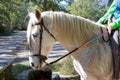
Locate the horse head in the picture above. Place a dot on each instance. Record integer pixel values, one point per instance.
(39, 38)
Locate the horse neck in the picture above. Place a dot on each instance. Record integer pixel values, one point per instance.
(72, 30)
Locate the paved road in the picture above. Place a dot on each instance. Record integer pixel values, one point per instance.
(8, 44)
(57, 51)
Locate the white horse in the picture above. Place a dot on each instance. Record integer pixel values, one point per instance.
(93, 62)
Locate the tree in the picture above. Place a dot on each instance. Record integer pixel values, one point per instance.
(44, 5)
(13, 12)
(5, 10)
(86, 8)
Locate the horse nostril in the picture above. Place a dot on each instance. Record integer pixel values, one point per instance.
(32, 64)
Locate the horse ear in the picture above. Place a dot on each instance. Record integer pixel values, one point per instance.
(38, 14)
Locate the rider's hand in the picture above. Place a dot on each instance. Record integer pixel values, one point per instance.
(109, 28)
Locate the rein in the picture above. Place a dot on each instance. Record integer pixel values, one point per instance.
(81, 46)
(43, 58)
(103, 37)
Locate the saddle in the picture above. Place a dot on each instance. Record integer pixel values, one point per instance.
(114, 38)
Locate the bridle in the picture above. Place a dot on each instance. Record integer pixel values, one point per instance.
(41, 57)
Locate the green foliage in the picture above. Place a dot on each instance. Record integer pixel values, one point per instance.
(19, 68)
(86, 8)
(65, 66)
(13, 12)
(12, 15)
(43, 5)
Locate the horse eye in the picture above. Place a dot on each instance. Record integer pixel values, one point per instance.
(35, 35)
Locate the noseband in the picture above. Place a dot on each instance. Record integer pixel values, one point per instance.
(41, 57)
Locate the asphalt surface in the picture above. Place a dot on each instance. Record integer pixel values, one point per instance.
(8, 44)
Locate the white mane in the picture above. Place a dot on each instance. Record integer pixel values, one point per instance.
(73, 27)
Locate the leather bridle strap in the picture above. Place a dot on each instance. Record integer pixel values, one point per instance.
(41, 23)
(107, 33)
(40, 44)
(42, 57)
